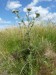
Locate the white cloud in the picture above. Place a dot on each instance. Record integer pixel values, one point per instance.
(42, 11)
(53, 16)
(39, 9)
(45, 0)
(2, 21)
(34, 2)
(16, 18)
(31, 5)
(45, 15)
(13, 4)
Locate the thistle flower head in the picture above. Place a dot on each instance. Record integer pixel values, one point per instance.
(15, 11)
(28, 9)
(37, 15)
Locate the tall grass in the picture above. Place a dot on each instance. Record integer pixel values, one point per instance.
(40, 61)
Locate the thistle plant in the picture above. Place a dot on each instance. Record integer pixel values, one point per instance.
(28, 54)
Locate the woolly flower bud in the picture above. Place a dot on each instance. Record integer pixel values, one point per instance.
(37, 15)
(28, 9)
(15, 11)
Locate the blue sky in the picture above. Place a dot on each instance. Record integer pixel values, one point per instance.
(46, 8)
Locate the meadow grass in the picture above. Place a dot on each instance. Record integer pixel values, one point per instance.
(43, 41)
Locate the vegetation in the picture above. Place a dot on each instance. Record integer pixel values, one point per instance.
(28, 50)
(13, 43)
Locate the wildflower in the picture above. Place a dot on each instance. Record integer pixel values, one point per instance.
(28, 9)
(37, 15)
(15, 11)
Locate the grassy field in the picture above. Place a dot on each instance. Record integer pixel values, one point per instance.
(43, 43)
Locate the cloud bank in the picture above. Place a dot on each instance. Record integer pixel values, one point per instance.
(13, 5)
(2, 21)
(45, 14)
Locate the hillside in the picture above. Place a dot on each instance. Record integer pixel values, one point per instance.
(13, 42)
